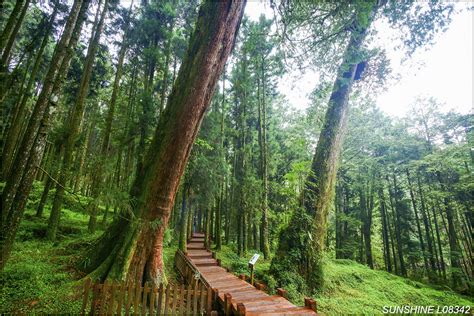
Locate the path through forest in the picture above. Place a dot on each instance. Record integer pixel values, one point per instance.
(255, 301)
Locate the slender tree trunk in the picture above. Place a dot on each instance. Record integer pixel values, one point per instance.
(18, 184)
(74, 125)
(418, 225)
(132, 249)
(19, 115)
(456, 274)
(10, 25)
(262, 135)
(11, 40)
(398, 226)
(385, 238)
(428, 238)
(440, 247)
(183, 220)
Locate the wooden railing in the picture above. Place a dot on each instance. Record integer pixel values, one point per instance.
(188, 270)
(112, 298)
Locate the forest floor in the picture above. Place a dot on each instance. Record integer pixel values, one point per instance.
(354, 288)
(41, 276)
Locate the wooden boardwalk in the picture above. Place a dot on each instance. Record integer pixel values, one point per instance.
(236, 295)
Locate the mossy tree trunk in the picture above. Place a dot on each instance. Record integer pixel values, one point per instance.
(320, 183)
(132, 247)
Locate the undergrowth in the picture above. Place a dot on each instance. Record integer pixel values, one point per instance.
(40, 276)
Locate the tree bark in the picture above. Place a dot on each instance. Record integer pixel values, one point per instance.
(132, 247)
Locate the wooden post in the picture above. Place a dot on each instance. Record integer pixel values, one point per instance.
(152, 300)
(160, 298)
(209, 301)
(103, 300)
(227, 303)
(85, 299)
(251, 273)
(313, 305)
(283, 293)
(219, 262)
(240, 309)
(145, 296)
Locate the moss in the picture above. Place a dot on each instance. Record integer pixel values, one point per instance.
(349, 287)
(41, 276)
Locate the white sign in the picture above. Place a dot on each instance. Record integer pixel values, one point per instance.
(254, 259)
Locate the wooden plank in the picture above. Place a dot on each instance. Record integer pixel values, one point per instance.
(121, 294)
(160, 299)
(227, 303)
(195, 298)
(103, 301)
(188, 300)
(209, 301)
(146, 288)
(174, 309)
(111, 299)
(167, 299)
(152, 298)
(85, 294)
(136, 304)
(130, 295)
(181, 301)
(202, 304)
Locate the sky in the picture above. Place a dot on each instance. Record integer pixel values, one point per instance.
(443, 71)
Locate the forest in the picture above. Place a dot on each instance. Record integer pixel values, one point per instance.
(129, 126)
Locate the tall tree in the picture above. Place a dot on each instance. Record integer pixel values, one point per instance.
(132, 247)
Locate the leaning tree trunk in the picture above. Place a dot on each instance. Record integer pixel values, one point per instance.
(11, 40)
(321, 181)
(10, 25)
(132, 248)
(19, 183)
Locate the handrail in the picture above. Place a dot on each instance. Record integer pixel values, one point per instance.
(192, 266)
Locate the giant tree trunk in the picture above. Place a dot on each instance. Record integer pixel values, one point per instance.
(74, 125)
(132, 247)
(19, 183)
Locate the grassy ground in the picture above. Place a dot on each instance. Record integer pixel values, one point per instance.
(41, 276)
(354, 288)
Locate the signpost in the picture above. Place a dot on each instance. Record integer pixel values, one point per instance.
(252, 262)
